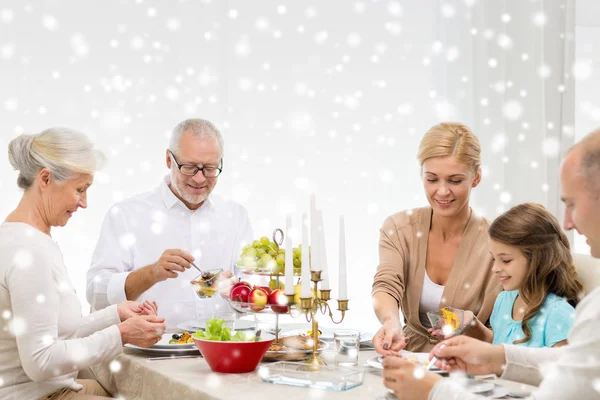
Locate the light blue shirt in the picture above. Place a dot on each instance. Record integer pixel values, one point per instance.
(549, 326)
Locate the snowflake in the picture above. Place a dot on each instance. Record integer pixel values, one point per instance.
(233, 13)
(127, 240)
(498, 142)
(386, 175)
(419, 372)
(262, 24)
(50, 22)
(452, 54)
(512, 110)
(582, 69)
(353, 39)
(40, 298)
(6, 16)
(394, 28)
(544, 71)
(506, 18)
(359, 7)
(320, 37)
(79, 45)
(22, 258)
(551, 147)
(448, 11)
(505, 197)
(539, 19)
(7, 51)
(115, 366)
(504, 41)
(173, 24)
(11, 104)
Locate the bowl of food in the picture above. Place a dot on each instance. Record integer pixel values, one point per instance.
(228, 351)
(204, 284)
(447, 321)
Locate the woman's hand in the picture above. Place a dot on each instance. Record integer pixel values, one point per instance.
(470, 355)
(129, 309)
(142, 331)
(390, 338)
(407, 380)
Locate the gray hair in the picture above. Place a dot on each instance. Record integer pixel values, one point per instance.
(65, 152)
(197, 127)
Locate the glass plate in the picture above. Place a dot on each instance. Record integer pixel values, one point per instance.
(327, 378)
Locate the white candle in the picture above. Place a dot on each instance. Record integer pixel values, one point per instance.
(289, 257)
(343, 280)
(315, 263)
(323, 253)
(305, 292)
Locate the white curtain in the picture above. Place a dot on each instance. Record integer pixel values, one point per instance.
(506, 68)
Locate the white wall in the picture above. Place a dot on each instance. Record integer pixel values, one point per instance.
(330, 97)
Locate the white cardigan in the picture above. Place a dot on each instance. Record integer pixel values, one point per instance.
(44, 339)
(569, 372)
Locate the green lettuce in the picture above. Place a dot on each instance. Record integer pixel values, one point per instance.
(215, 331)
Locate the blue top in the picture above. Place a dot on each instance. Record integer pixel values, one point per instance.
(549, 326)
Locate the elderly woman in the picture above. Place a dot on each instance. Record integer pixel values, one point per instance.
(436, 256)
(44, 339)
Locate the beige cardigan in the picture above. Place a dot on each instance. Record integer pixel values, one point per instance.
(402, 257)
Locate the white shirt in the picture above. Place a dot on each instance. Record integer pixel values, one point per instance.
(44, 339)
(431, 296)
(569, 372)
(138, 230)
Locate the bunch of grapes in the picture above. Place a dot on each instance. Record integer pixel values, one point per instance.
(264, 255)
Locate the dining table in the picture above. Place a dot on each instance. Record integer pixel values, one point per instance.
(138, 375)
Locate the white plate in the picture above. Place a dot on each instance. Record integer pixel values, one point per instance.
(327, 334)
(475, 386)
(422, 357)
(167, 348)
(199, 325)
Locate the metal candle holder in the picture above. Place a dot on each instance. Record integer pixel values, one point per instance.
(311, 306)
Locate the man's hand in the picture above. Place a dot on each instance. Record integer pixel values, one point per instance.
(470, 355)
(170, 263)
(407, 380)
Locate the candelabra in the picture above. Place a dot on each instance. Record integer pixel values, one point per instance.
(311, 306)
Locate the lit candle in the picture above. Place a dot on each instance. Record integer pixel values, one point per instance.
(323, 253)
(289, 257)
(305, 293)
(315, 264)
(343, 280)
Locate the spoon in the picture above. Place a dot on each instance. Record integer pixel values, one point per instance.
(195, 266)
(258, 332)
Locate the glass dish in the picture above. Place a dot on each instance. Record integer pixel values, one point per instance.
(447, 321)
(203, 283)
(326, 378)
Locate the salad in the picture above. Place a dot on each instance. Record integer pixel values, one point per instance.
(217, 332)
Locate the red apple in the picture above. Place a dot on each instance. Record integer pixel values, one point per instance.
(266, 289)
(258, 299)
(240, 293)
(278, 301)
(240, 283)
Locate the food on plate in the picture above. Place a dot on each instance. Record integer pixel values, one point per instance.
(181, 338)
(299, 342)
(215, 331)
(277, 346)
(450, 319)
(203, 283)
(265, 256)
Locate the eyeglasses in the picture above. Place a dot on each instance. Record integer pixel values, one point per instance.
(191, 170)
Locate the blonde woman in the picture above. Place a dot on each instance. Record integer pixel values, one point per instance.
(44, 339)
(436, 256)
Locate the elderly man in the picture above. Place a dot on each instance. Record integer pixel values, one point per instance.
(569, 372)
(148, 241)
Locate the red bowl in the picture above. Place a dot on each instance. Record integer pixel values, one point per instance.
(233, 357)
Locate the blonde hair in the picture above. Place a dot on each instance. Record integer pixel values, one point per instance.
(65, 152)
(550, 269)
(451, 139)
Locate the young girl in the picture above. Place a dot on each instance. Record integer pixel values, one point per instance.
(533, 263)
